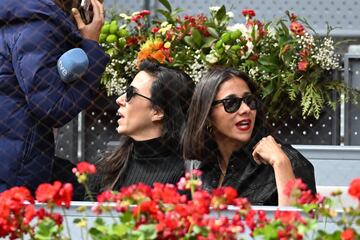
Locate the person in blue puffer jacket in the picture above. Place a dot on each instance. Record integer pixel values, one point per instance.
(33, 99)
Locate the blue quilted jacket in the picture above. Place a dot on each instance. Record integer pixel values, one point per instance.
(33, 99)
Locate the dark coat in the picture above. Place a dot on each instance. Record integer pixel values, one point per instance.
(255, 182)
(33, 99)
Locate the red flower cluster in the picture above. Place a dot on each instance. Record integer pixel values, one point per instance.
(348, 234)
(17, 210)
(176, 216)
(354, 188)
(297, 189)
(138, 16)
(56, 193)
(15, 213)
(84, 168)
(248, 13)
(197, 22)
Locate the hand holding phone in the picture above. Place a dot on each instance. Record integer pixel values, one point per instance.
(86, 11)
(92, 18)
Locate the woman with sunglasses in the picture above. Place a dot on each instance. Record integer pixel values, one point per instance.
(151, 115)
(226, 132)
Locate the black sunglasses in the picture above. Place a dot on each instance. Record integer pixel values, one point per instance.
(130, 92)
(232, 104)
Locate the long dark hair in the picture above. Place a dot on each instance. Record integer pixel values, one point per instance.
(171, 91)
(197, 141)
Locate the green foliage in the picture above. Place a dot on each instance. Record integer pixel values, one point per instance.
(48, 230)
(285, 57)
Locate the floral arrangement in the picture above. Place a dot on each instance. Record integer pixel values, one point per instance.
(161, 212)
(282, 56)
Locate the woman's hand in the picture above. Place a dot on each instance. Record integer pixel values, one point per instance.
(268, 151)
(92, 30)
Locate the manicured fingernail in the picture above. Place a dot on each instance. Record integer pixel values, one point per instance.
(74, 11)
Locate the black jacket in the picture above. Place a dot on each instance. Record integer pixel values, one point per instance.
(255, 182)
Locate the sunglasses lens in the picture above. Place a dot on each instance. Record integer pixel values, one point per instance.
(231, 105)
(129, 93)
(251, 102)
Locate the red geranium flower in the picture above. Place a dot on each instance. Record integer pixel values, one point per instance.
(348, 234)
(248, 12)
(354, 189)
(303, 65)
(85, 167)
(55, 193)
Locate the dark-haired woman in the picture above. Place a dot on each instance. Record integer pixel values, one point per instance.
(226, 131)
(151, 115)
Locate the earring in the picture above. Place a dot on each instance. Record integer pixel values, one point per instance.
(209, 128)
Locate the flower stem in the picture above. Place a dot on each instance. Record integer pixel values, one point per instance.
(88, 192)
(66, 222)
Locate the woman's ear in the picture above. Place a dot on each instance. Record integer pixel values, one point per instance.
(157, 114)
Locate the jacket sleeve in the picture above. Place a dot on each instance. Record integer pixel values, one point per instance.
(302, 167)
(35, 53)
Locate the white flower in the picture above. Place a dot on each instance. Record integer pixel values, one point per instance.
(214, 8)
(212, 58)
(237, 26)
(230, 14)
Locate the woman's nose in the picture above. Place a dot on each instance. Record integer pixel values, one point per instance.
(121, 100)
(244, 109)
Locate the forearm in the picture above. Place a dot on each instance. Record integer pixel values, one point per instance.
(283, 174)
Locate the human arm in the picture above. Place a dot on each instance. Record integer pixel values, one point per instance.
(268, 151)
(35, 53)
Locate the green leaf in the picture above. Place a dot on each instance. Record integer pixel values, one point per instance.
(47, 229)
(127, 217)
(98, 221)
(221, 13)
(196, 37)
(119, 229)
(166, 14)
(267, 90)
(189, 41)
(149, 231)
(209, 42)
(213, 32)
(166, 4)
(268, 60)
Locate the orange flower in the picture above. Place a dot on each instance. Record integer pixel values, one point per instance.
(153, 49)
(297, 28)
(158, 56)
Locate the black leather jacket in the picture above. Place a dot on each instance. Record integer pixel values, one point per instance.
(255, 182)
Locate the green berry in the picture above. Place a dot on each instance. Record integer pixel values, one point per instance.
(113, 29)
(111, 38)
(102, 37)
(219, 44)
(235, 35)
(226, 37)
(105, 29)
(122, 32)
